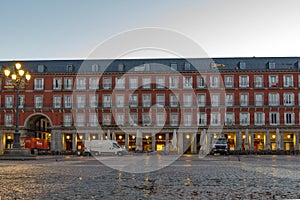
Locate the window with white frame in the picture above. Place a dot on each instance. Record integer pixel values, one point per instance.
(38, 101)
(289, 118)
(187, 82)
(121, 67)
(95, 68)
(160, 82)
(288, 81)
(106, 119)
(120, 101)
(120, 83)
(9, 101)
(146, 100)
(244, 118)
(259, 118)
(288, 99)
(214, 81)
(146, 119)
(187, 100)
(174, 100)
(229, 81)
(160, 100)
(106, 101)
(259, 99)
(298, 98)
(133, 83)
(80, 119)
(9, 118)
(120, 118)
(174, 66)
(201, 100)
(229, 99)
(258, 81)
(57, 83)
(21, 101)
(274, 118)
(187, 119)
(67, 119)
(215, 119)
(243, 81)
(215, 100)
(187, 66)
(160, 119)
(68, 83)
(244, 99)
(201, 81)
(38, 83)
(201, 119)
(107, 84)
(229, 118)
(81, 83)
(174, 119)
(93, 101)
(273, 99)
(57, 101)
(146, 82)
(68, 101)
(133, 100)
(173, 82)
(94, 83)
(133, 119)
(93, 119)
(80, 101)
(273, 81)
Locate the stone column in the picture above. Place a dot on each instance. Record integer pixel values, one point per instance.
(126, 141)
(74, 142)
(282, 140)
(167, 142)
(57, 141)
(237, 141)
(252, 141)
(195, 143)
(153, 139)
(296, 141)
(180, 142)
(268, 141)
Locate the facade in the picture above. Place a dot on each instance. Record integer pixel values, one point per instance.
(254, 102)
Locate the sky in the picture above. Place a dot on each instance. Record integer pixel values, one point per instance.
(72, 29)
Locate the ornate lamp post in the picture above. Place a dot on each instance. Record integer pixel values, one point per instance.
(18, 78)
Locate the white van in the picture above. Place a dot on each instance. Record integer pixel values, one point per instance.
(103, 147)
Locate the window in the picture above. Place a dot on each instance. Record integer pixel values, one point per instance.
(229, 100)
(187, 66)
(215, 100)
(106, 119)
(259, 99)
(214, 81)
(174, 119)
(106, 101)
(288, 99)
(9, 118)
(94, 83)
(160, 82)
(174, 100)
(9, 101)
(259, 118)
(146, 82)
(147, 66)
(93, 101)
(160, 100)
(244, 99)
(133, 83)
(68, 83)
(215, 119)
(146, 100)
(120, 119)
(70, 68)
(288, 81)
(173, 81)
(242, 65)
(68, 101)
(38, 83)
(133, 100)
(160, 119)
(273, 99)
(201, 119)
(21, 101)
(80, 101)
(271, 65)
(245, 119)
(274, 118)
(273, 81)
(107, 83)
(187, 100)
(258, 81)
(187, 119)
(57, 83)
(120, 101)
(120, 83)
(146, 119)
(201, 81)
(289, 118)
(67, 120)
(244, 81)
(133, 120)
(57, 102)
(80, 83)
(229, 118)
(80, 119)
(95, 68)
(201, 100)
(38, 101)
(93, 119)
(229, 81)
(42, 68)
(174, 66)
(187, 82)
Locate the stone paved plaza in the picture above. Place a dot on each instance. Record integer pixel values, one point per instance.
(213, 177)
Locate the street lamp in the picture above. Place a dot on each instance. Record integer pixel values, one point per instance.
(18, 78)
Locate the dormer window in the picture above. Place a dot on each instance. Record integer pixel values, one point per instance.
(271, 65)
(187, 66)
(41, 68)
(95, 68)
(147, 66)
(70, 68)
(174, 66)
(242, 65)
(121, 67)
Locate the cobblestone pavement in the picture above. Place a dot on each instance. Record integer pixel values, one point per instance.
(214, 177)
